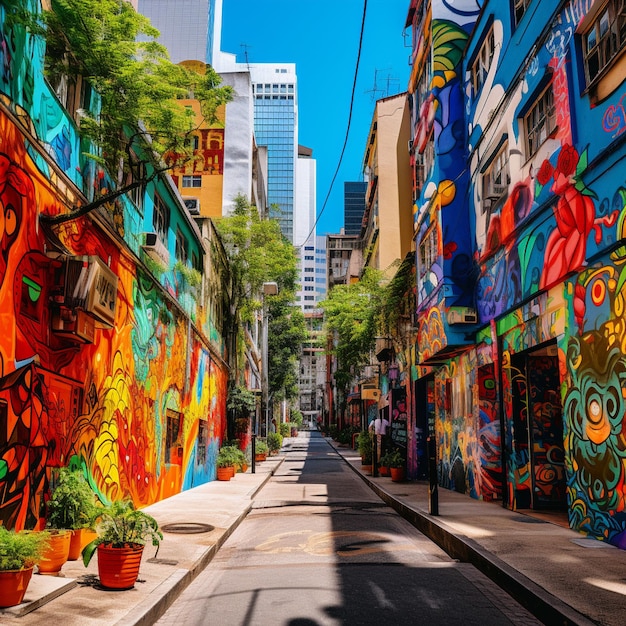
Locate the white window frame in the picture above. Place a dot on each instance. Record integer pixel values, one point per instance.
(483, 61)
(540, 121)
(496, 178)
(605, 39)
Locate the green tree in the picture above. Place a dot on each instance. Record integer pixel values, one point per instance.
(112, 50)
(258, 253)
(352, 318)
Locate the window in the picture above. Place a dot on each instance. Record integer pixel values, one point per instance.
(605, 39)
(192, 142)
(496, 178)
(428, 250)
(160, 218)
(174, 438)
(540, 122)
(181, 246)
(308, 279)
(192, 181)
(520, 9)
(481, 65)
(202, 439)
(309, 288)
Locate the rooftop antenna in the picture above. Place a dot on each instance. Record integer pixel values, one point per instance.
(375, 89)
(245, 47)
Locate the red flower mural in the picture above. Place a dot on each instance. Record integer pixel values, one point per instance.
(574, 211)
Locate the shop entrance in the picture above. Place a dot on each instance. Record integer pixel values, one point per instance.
(539, 478)
(424, 421)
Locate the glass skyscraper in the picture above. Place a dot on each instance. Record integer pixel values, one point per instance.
(353, 206)
(276, 126)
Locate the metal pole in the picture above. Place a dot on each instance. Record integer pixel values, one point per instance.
(433, 490)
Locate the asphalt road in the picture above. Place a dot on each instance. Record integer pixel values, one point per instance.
(320, 548)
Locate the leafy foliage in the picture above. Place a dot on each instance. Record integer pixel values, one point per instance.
(351, 316)
(274, 442)
(121, 524)
(240, 399)
(365, 444)
(20, 549)
(114, 48)
(73, 503)
(259, 253)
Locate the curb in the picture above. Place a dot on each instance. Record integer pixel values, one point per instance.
(542, 604)
(156, 604)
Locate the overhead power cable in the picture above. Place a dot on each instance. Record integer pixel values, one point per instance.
(345, 142)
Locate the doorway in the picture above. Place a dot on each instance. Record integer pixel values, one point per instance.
(538, 467)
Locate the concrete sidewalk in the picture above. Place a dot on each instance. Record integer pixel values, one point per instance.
(556, 573)
(559, 575)
(200, 520)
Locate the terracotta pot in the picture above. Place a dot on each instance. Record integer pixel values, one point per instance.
(118, 568)
(224, 473)
(383, 470)
(367, 469)
(397, 474)
(80, 538)
(56, 552)
(13, 585)
(243, 468)
(260, 457)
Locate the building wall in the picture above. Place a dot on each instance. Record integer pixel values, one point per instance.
(108, 403)
(548, 356)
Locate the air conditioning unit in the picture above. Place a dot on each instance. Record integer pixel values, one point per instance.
(462, 315)
(89, 284)
(370, 392)
(193, 205)
(155, 249)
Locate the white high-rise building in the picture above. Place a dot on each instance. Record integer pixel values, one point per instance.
(190, 29)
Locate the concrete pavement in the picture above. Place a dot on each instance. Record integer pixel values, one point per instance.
(556, 573)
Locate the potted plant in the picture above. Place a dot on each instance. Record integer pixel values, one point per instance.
(383, 465)
(261, 449)
(226, 463)
(19, 552)
(72, 506)
(366, 449)
(396, 465)
(241, 461)
(274, 442)
(123, 532)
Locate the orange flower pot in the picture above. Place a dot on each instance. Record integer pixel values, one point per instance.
(397, 474)
(118, 568)
(56, 553)
(13, 585)
(80, 538)
(225, 473)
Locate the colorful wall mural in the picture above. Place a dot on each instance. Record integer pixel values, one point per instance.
(549, 352)
(125, 384)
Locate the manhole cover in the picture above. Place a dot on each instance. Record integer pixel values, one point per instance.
(187, 528)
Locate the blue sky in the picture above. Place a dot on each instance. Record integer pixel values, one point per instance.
(322, 37)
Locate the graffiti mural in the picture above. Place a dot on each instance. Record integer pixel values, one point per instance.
(95, 396)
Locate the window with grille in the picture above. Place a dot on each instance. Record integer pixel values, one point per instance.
(181, 246)
(481, 65)
(428, 250)
(202, 441)
(160, 218)
(174, 438)
(540, 122)
(496, 178)
(192, 181)
(605, 40)
(520, 7)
